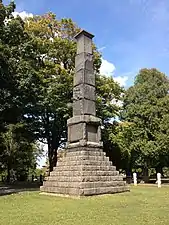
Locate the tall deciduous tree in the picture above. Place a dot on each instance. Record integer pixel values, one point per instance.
(19, 78)
(146, 108)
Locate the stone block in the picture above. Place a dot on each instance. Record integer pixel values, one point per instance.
(84, 44)
(76, 132)
(84, 119)
(84, 91)
(84, 76)
(84, 61)
(84, 106)
(92, 133)
(101, 184)
(84, 162)
(85, 153)
(83, 167)
(85, 157)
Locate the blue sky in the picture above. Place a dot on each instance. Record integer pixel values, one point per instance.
(131, 34)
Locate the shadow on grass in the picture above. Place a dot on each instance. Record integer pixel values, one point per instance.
(6, 189)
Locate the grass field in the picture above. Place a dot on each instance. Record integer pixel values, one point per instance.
(143, 205)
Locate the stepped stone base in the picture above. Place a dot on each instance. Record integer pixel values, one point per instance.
(84, 171)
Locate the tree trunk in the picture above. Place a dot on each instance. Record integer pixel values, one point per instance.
(145, 174)
(52, 153)
(50, 156)
(47, 132)
(55, 146)
(56, 135)
(159, 169)
(55, 158)
(8, 172)
(50, 165)
(128, 175)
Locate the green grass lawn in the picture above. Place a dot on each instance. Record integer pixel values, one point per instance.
(143, 205)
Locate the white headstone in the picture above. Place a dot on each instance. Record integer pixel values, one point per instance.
(135, 179)
(159, 180)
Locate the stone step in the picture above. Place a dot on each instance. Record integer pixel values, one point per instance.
(83, 162)
(85, 191)
(84, 168)
(84, 157)
(104, 190)
(83, 184)
(63, 191)
(84, 178)
(85, 153)
(84, 173)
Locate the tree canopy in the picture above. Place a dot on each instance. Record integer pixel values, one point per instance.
(143, 132)
(18, 80)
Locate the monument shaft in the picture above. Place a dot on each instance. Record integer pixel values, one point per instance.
(84, 126)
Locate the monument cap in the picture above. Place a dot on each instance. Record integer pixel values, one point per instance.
(85, 33)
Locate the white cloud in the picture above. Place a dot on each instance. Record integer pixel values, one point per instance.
(121, 80)
(22, 14)
(101, 48)
(107, 68)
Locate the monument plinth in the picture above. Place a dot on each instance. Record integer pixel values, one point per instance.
(85, 170)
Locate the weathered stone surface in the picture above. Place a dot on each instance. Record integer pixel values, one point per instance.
(85, 151)
(84, 128)
(84, 60)
(84, 42)
(84, 157)
(84, 107)
(88, 158)
(84, 91)
(84, 76)
(84, 119)
(83, 185)
(84, 162)
(76, 132)
(83, 131)
(104, 190)
(84, 167)
(84, 178)
(92, 133)
(82, 173)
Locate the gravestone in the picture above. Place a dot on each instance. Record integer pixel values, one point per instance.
(159, 180)
(135, 179)
(85, 170)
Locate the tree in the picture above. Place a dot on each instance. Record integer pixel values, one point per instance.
(18, 155)
(18, 80)
(146, 107)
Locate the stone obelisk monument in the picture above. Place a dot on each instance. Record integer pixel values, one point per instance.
(85, 170)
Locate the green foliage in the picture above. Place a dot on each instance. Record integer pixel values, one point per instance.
(18, 80)
(146, 107)
(108, 94)
(18, 154)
